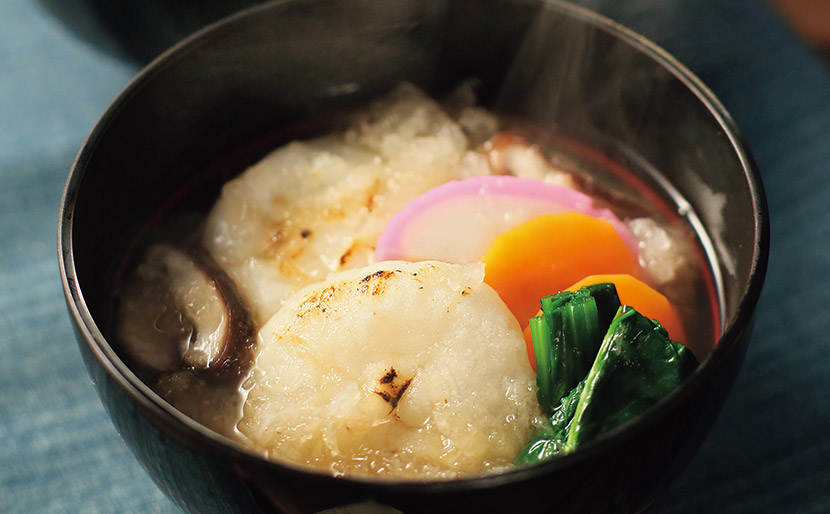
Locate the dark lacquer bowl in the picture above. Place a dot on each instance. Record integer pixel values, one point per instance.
(281, 64)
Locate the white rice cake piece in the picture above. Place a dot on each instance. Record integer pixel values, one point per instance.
(402, 369)
(310, 208)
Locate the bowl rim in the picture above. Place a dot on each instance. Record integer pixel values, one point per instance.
(208, 440)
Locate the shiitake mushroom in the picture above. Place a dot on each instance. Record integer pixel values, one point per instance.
(181, 311)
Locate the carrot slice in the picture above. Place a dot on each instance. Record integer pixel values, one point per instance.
(549, 253)
(635, 293)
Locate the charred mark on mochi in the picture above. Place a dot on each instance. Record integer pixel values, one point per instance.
(283, 246)
(288, 266)
(377, 274)
(349, 253)
(318, 301)
(374, 284)
(346, 255)
(275, 239)
(371, 194)
(389, 376)
(391, 389)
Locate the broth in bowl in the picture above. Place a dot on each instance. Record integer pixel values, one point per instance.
(363, 302)
(634, 131)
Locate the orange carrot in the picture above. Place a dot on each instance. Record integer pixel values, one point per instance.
(632, 292)
(548, 253)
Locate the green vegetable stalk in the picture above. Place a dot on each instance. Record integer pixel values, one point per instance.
(630, 367)
(569, 333)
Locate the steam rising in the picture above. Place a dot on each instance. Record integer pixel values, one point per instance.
(590, 84)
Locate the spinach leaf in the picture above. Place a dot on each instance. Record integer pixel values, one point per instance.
(634, 365)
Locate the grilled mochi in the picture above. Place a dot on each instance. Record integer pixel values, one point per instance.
(398, 368)
(313, 207)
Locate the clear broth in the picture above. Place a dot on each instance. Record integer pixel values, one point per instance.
(632, 189)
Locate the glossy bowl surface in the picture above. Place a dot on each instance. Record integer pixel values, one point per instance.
(284, 63)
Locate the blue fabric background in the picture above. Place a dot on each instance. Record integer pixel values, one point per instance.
(769, 450)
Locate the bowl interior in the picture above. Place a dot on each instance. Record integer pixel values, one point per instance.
(280, 70)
